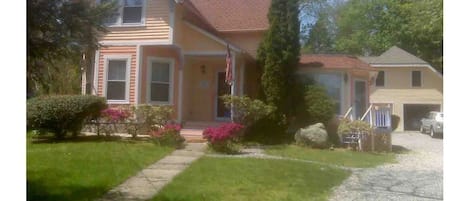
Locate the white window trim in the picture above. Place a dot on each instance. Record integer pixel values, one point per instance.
(119, 22)
(127, 58)
(384, 80)
(412, 79)
(171, 80)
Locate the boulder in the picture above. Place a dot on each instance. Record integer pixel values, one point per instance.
(314, 136)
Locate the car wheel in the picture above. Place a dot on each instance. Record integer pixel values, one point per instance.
(432, 133)
(421, 129)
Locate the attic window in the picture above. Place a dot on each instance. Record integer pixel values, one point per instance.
(130, 12)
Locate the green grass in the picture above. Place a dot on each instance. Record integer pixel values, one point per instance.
(84, 170)
(230, 179)
(341, 157)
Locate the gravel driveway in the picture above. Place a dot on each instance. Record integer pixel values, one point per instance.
(417, 176)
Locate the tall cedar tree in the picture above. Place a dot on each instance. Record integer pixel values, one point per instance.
(278, 54)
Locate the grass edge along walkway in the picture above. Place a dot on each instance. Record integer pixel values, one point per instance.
(232, 178)
(149, 181)
(338, 158)
(84, 168)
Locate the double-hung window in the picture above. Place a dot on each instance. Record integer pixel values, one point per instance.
(160, 81)
(117, 82)
(129, 12)
(380, 79)
(416, 78)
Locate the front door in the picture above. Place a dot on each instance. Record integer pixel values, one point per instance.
(360, 98)
(222, 89)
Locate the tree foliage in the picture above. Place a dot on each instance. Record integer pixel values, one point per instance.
(59, 32)
(278, 54)
(370, 27)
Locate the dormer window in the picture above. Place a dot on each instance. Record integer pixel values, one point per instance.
(130, 12)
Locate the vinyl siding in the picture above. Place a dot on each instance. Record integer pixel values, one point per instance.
(115, 50)
(157, 25)
(398, 90)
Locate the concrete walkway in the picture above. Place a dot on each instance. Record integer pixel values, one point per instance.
(150, 180)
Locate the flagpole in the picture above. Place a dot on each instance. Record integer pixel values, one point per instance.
(233, 83)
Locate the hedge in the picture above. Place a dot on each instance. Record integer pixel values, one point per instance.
(62, 113)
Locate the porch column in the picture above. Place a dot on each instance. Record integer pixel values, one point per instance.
(233, 83)
(139, 57)
(180, 88)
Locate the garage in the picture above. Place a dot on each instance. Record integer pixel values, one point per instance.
(414, 112)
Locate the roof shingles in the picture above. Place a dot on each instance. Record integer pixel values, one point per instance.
(331, 61)
(234, 15)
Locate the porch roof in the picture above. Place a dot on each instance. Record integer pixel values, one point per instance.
(333, 61)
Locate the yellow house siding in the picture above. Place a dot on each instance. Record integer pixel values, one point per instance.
(118, 50)
(161, 52)
(398, 90)
(157, 25)
(247, 41)
(191, 40)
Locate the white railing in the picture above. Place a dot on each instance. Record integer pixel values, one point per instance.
(348, 112)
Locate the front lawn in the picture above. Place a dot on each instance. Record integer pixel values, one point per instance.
(84, 170)
(230, 179)
(341, 157)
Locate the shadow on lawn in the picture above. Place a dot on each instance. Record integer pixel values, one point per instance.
(93, 138)
(36, 191)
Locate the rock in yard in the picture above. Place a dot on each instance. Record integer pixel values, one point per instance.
(312, 136)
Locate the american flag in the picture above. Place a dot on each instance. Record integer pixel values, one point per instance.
(228, 74)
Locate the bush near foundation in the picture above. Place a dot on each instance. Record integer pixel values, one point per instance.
(225, 138)
(63, 113)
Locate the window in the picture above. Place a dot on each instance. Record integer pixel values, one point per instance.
(117, 79)
(332, 82)
(160, 81)
(380, 79)
(416, 79)
(130, 12)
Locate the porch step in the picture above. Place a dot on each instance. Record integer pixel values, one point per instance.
(193, 134)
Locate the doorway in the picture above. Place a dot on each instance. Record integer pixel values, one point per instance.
(360, 98)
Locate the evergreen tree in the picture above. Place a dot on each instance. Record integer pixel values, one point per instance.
(279, 55)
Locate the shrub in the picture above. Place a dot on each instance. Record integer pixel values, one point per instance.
(346, 126)
(60, 114)
(224, 138)
(247, 111)
(318, 105)
(111, 117)
(169, 135)
(152, 117)
(256, 116)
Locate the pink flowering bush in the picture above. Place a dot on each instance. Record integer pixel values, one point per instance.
(111, 117)
(224, 138)
(114, 115)
(168, 135)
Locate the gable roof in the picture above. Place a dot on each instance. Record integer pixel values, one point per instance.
(333, 61)
(394, 55)
(233, 15)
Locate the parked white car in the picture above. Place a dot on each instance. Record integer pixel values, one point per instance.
(433, 124)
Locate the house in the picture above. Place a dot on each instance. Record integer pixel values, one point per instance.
(173, 52)
(407, 84)
(346, 78)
